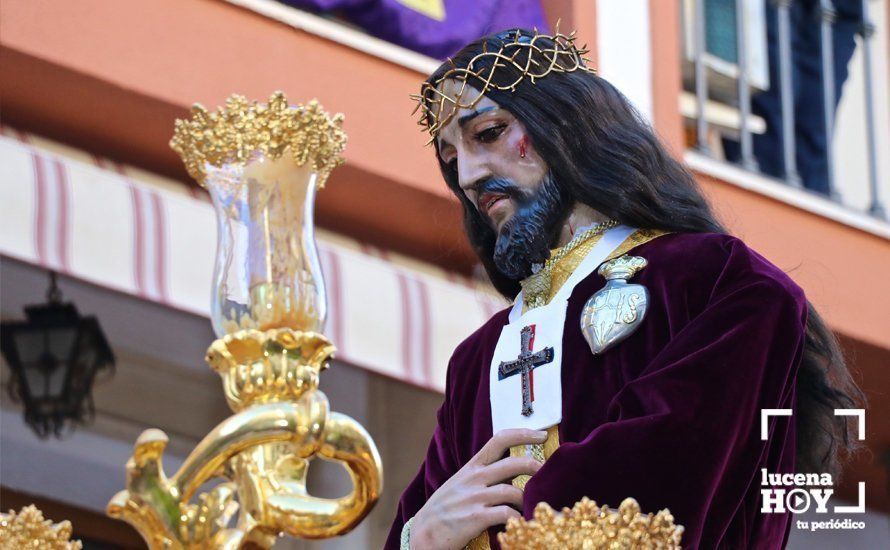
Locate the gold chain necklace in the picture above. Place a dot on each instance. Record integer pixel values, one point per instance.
(536, 287)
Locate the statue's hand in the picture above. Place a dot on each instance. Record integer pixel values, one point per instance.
(476, 497)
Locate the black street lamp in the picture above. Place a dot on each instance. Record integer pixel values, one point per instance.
(54, 356)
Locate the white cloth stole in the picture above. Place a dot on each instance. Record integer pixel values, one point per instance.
(547, 324)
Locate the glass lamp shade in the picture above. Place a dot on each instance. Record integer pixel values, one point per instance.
(267, 272)
(262, 164)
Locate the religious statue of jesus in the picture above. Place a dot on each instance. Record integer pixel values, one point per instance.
(643, 341)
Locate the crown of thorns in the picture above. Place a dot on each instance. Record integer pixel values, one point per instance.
(531, 57)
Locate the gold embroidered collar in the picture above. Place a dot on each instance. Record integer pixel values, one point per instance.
(539, 288)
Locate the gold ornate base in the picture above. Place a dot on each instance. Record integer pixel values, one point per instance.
(589, 527)
(28, 529)
(262, 454)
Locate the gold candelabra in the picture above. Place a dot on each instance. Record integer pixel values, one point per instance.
(262, 164)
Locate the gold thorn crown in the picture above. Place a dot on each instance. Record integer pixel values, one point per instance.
(529, 57)
(590, 527)
(243, 129)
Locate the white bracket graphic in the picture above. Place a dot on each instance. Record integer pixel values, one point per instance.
(854, 412)
(764, 419)
(859, 508)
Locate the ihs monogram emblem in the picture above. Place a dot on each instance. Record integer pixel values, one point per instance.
(615, 311)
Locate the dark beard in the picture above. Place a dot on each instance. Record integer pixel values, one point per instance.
(526, 239)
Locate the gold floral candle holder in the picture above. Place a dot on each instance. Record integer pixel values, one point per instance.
(28, 529)
(262, 164)
(587, 526)
(269, 366)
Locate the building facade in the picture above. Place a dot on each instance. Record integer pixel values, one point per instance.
(90, 189)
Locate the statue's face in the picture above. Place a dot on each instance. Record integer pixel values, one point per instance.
(487, 147)
(506, 179)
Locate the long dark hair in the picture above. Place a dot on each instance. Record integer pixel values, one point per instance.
(608, 157)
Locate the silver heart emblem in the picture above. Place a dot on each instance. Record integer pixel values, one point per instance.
(615, 311)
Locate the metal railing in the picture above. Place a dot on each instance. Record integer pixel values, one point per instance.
(800, 40)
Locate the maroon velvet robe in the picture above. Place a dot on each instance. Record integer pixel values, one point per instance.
(671, 415)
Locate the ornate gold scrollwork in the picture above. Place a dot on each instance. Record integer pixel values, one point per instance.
(262, 453)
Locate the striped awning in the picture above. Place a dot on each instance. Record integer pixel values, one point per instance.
(138, 233)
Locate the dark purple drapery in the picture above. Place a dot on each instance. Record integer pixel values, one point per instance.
(670, 416)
